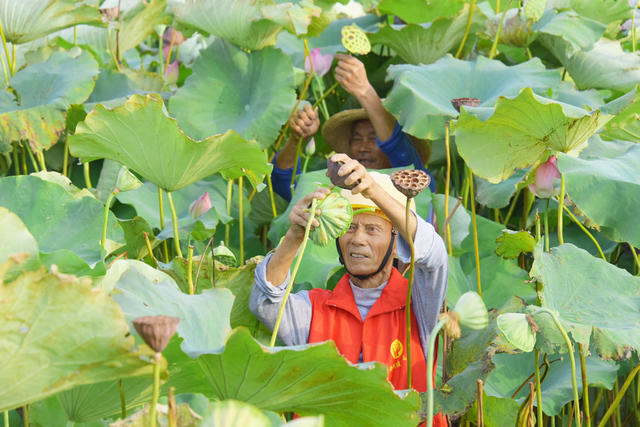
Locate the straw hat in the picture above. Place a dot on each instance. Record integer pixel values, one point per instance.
(358, 201)
(337, 132)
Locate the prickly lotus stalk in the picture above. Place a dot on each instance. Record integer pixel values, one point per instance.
(335, 219)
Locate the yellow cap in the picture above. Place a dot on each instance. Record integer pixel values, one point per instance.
(358, 201)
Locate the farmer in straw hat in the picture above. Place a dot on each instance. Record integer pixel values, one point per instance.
(365, 313)
(370, 134)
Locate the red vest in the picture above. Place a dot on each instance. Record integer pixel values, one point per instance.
(380, 338)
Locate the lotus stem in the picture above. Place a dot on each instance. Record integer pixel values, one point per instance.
(6, 49)
(172, 408)
(475, 230)
(494, 46)
(597, 403)
(190, 269)
(532, 392)
(166, 63)
(65, 158)
(40, 157)
(447, 227)
(4, 70)
(295, 166)
(149, 248)
(617, 410)
(307, 229)
(106, 218)
(633, 28)
(305, 164)
(25, 170)
(560, 209)
(325, 94)
(204, 254)
(511, 208)
(583, 228)
(123, 402)
(27, 146)
(87, 175)
(466, 29)
(480, 419)
(432, 344)
(16, 163)
(25, 414)
(165, 247)
(227, 227)
(576, 399)
(546, 227)
(465, 189)
(637, 260)
(6, 418)
(547, 366)
(538, 387)
(156, 388)
(271, 196)
(409, 290)
(585, 386)
(176, 236)
(619, 396)
(241, 219)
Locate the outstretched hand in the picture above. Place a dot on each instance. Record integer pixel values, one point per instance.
(299, 215)
(352, 75)
(356, 173)
(305, 122)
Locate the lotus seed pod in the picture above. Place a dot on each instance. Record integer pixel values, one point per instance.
(451, 325)
(335, 218)
(355, 40)
(410, 182)
(471, 310)
(332, 172)
(467, 102)
(156, 331)
(517, 330)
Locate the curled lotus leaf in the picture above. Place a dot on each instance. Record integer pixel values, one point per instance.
(335, 219)
(516, 329)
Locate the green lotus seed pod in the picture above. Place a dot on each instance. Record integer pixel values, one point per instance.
(335, 218)
(471, 311)
(517, 329)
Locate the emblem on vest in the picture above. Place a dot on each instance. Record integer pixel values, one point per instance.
(396, 350)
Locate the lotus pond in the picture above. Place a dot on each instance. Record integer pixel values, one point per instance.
(135, 146)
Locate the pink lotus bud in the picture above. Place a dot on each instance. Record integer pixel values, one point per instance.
(545, 175)
(201, 205)
(321, 63)
(172, 72)
(310, 149)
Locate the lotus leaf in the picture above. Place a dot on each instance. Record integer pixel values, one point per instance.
(512, 243)
(141, 136)
(234, 413)
(216, 97)
(605, 11)
(625, 125)
(43, 92)
(597, 184)
(26, 20)
(416, 11)
(251, 24)
(58, 333)
(421, 95)
(516, 329)
(308, 380)
(590, 294)
(511, 139)
(56, 218)
(567, 32)
(15, 235)
(496, 411)
(143, 291)
(498, 195)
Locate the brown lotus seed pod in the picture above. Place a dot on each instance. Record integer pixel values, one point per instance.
(467, 102)
(332, 172)
(410, 182)
(156, 331)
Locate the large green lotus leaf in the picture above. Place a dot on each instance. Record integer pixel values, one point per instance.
(416, 11)
(496, 411)
(307, 380)
(520, 133)
(143, 291)
(56, 218)
(498, 195)
(69, 263)
(421, 95)
(425, 44)
(597, 184)
(217, 96)
(625, 125)
(234, 413)
(606, 66)
(15, 236)
(142, 137)
(58, 333)
(251, 24)
(605, 11)
(26, 20)
(511, 370)
(576, 284)
(112, 89)
(35, 111)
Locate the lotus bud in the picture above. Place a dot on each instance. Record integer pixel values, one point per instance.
(518, 329)
(321, 63)
(467, 102)
(335, 218)
(156, 331)
(332, 172)
(126, 181)
(471, 311)
(410, 182)
(546, 173)
(199, 206)
(224, 255)
(172, 72)
(451, 325)
(310, 148)
(355, 40)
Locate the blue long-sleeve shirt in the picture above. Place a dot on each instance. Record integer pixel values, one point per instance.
(398, 148)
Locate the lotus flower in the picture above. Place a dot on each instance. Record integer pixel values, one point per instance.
(201, 205)
(310, 148)
(321, 63)
(171, 33)
(172, 72)
(545, 175)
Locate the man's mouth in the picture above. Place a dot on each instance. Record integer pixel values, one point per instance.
(356, 255)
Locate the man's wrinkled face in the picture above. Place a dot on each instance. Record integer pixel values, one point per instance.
(364, 148)
(365, 243)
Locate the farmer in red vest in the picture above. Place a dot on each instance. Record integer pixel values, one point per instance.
(365, 314)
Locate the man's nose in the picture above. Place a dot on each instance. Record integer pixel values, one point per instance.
(358, 237)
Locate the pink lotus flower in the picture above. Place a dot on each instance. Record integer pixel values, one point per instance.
(321, 63)
(201, 205)
(169, 34)
(172, 72)
(545, 175)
